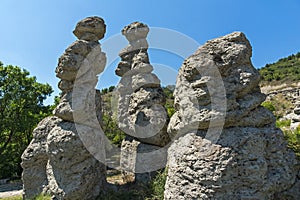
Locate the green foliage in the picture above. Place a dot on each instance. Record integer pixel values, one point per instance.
(21, 108)
(104, 91)
(111, 88)
(110, 125)
(169, 105)
(107, 90)
(279, 105)
(158, 185)
(43, 197)
(293, 139)
(269, 105)
(111, 130)
(152, 191)
(285, 70)
(283, 123)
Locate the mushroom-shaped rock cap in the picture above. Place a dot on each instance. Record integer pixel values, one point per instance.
(135, 31)
(90, 29)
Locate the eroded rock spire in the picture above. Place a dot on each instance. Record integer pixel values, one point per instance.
(57, 161)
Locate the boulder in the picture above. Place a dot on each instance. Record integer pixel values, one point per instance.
(226, 145)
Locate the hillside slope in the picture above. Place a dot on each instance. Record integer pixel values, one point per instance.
(285, 70)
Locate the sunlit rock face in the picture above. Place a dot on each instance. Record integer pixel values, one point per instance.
(141, 112)
(57, 160)
(217, 89)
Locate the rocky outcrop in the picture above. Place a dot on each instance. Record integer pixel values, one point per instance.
(35, 159)
(227, 146)
(141, 112)
(57, 160)
(294, 116)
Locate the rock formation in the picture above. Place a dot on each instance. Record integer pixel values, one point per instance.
(57, 160)
(294, 116)
(141, 99)
(248, 158)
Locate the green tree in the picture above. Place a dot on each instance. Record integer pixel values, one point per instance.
(21, 108)
(111, 88)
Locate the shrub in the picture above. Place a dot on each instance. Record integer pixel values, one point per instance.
(269, 105)
(293, 139)
(283, 123)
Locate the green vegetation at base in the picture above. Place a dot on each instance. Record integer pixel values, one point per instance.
(293, 139)
(285, 70)
(21, 108)
(291, 136)
(279, 105)
(153, 191)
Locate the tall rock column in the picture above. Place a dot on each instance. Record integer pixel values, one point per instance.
(141, 112)
(248, 158)
(59, 153)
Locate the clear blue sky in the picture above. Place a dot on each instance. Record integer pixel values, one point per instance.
(35, 33)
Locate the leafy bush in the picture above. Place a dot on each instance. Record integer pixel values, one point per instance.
(284, 70)
(269, 105)
(158, 185)
(279, 105)
(111, 130)
(283, 123)
(21, 108)
(293, 139)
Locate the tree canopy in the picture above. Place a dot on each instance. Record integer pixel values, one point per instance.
(21, 108)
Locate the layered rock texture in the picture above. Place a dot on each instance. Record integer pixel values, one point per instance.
(295, 116)
(57, 160)
(228, 150)
(141, 112)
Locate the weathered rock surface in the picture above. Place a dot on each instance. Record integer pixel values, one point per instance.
(73, 173)
(57, 160)
(248, 158)
(35, 158)
(140, 109)
(90, 29)
(295, 116)
(133, 160)
(141, 112)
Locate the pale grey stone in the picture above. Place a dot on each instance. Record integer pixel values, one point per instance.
(90, 29)
(231, 150)
(73, 172)
(35, 158)
(63, 158)
(140, 106)
(245, 163)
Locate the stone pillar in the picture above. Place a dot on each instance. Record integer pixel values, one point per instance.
(141, 112)
(58, 160)
(227, 145)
